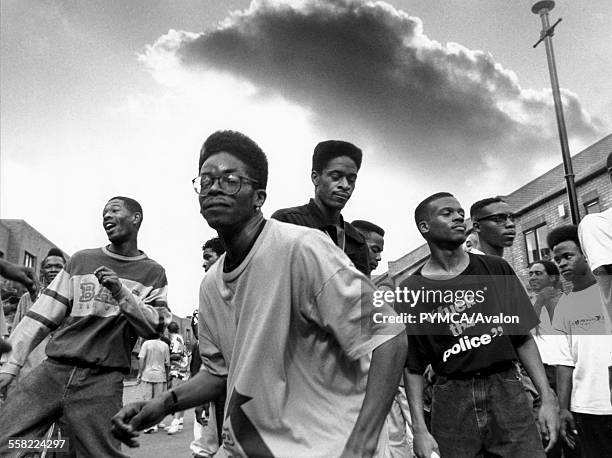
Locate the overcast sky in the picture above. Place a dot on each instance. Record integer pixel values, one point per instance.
(109, 97)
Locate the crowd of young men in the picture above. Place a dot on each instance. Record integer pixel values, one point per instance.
(286, 330)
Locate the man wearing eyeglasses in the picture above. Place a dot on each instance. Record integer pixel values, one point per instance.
(493, 220)
(286, 326)
(335, 165)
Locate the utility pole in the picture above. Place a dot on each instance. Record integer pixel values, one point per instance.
(542, 8)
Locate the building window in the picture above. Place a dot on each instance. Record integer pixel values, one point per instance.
(29, 260)
(592, 207)
(535, 241)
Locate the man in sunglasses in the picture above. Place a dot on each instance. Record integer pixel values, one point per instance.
(287, 326)
(493, 221)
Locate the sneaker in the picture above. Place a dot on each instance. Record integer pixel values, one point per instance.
(152, 429)
(174, 427)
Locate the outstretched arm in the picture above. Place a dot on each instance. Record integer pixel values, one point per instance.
(383, 380)
(201, 388)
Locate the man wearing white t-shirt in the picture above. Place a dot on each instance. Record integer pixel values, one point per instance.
(287, 324)
(595, 232)
(582, 375)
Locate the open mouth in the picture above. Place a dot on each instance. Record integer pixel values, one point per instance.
(109, 226)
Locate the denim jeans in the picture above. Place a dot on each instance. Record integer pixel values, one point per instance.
(484, 415)
(595, 434)
(84, 399)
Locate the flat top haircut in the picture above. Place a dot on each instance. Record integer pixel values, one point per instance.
(55, 252)
(367, 226)
(421, 212)
(215, 244)
(609, 161)
(331, 149)
(240, 146)
(476, 208)
(131, 204)
(562, 234)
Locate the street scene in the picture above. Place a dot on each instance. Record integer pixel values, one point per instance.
(314, 228)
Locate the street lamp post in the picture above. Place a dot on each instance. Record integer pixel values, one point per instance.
(542, 8)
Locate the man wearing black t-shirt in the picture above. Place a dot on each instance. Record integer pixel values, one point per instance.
(469, 317)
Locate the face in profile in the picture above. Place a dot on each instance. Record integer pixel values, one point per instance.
(376, 245)
(496, 225)
(335, 184)
(209, 256)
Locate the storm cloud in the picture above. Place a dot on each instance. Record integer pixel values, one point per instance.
(367, 70)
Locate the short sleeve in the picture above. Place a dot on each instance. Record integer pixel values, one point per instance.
(212, 358)
(595, 233)
(561, 329)
(416, 362)
(339, 298)
(143, 350)
(517, 304)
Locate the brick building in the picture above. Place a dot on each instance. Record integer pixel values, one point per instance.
(20, 244)
(540, 205)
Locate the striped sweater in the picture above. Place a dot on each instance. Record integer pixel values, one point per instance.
(91, 328)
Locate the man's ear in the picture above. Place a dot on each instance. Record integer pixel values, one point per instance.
(260, 197)
(314, 177)
(476, 227)
(423, 227)
(137, 218)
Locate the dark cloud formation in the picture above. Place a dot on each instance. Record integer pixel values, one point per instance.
(367, 69)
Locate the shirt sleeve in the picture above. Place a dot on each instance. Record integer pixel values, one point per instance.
(416, 362)
(212, 358)
(562, 329)
(595, 233)
(339, 298)
(143, 350)
(517, 304)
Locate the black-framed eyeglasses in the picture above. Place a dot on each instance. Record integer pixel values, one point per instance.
(499, 218)
(229, 183)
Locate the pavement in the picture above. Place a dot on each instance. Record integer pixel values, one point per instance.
(160, 444)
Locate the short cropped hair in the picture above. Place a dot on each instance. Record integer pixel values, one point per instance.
(241, 147)
(215, 244)
(421, 212)
(173, 327)
(476, 208)
(131, 204)
(54, 252)
(562, 234)
(551, 270)
(366, 226)
(331, 149)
